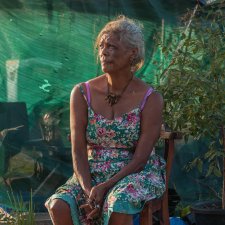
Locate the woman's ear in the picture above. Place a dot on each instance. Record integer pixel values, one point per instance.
(134, 52)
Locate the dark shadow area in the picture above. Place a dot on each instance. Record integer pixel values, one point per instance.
(39, 164)
(149, 10)
(12, 4)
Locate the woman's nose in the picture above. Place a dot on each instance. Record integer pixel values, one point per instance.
(104, 51)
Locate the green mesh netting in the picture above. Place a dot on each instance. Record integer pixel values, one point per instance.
(47, 48)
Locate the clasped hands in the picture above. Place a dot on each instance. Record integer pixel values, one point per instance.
(94, 202)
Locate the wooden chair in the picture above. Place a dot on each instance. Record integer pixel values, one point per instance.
(161, 205)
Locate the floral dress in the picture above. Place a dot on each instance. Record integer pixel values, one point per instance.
(111, 145)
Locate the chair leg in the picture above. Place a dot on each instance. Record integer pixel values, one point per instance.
(165, 211)
(146, 216)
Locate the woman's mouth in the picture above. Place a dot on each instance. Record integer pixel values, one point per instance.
(105, 62)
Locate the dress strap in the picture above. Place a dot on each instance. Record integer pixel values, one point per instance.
(149, 91)
(88, 93)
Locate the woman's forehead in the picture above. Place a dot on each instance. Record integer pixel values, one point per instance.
(110, 37)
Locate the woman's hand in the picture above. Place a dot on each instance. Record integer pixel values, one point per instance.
(91, 212)
(94, 204)
(97, 194)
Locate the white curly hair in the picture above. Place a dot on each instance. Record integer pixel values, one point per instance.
(130, 32)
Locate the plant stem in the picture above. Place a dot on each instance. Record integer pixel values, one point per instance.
(161, 49)
(176, 52)
(215, 193)
(223, 190)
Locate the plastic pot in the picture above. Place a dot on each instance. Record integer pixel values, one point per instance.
(208, 213)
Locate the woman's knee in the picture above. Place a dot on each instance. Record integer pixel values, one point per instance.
(57, 206)
(120, 219)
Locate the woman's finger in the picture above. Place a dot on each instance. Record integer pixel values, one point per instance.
(99, 199)
(84, 206)
(92, 197)
(93, 213)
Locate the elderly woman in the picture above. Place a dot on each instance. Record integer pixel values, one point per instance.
(115, 120)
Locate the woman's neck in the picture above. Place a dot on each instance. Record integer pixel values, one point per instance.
(119, 81)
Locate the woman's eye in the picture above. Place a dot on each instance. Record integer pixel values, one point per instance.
(112, 46)
(102, 46)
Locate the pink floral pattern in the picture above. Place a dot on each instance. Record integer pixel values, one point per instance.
(111, 144)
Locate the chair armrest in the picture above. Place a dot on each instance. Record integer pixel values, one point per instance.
(167, 135)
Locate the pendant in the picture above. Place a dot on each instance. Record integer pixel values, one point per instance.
(112, 98)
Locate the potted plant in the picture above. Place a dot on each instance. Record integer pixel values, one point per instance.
(192, 80)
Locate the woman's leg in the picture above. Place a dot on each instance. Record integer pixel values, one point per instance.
(59, 212)
(120, 219)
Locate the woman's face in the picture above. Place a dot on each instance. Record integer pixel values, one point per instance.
(114, 54)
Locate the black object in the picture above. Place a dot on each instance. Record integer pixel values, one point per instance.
(13, 114)
(49, 158)
(189, 219)
(208, 213)
(173, 199)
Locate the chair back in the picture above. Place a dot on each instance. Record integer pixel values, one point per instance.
(161, 204)
(169, 138)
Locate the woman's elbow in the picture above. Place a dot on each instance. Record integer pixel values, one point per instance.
(140, 166)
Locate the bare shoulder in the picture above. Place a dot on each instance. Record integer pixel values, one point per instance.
(80, 89)
(76, 90)
(78, 94)
(140, 86)
(98, 83)
(154, 102)
(96, 80)
(155, 98)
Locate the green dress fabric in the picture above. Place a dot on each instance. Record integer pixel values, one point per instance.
(111, 145)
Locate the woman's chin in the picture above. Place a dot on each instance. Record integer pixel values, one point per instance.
(107, 69)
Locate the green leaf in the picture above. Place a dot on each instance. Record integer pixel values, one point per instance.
(183, 36)
(200, 165)
(217, 172)
(211, 167)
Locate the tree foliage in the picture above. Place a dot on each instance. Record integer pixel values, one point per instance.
(193, 81)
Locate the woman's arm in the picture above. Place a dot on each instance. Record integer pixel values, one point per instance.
(151, 121)
(78, 123)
